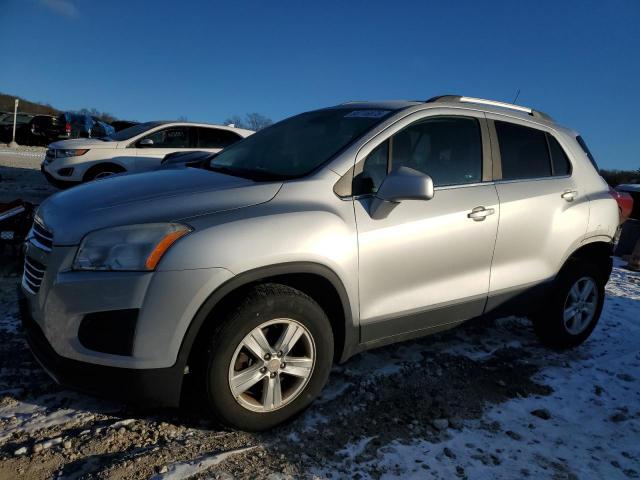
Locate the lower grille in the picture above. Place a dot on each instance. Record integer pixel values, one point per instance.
(33, 275)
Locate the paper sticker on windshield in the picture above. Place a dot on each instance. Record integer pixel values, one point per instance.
(367, 114)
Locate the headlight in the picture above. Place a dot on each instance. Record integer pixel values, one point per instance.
(70, 152)
(133, 247)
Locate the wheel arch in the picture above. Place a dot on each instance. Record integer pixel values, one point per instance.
(118, 168)
(315, 280)
(597, 251)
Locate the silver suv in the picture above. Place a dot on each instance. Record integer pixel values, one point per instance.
(329, 233)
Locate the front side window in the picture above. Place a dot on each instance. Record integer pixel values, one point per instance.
(448, 149)
(172, 137)
(216, 137)
(374, 170)
(523, 152)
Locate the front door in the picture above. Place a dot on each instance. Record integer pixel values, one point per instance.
(427, 263)
(162, 142)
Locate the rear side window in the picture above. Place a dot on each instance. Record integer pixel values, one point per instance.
(586, 150)
(523, 152)
(559, 161)
(216, 138)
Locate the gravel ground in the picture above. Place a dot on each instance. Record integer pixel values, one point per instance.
(20, 175)
(482, 401)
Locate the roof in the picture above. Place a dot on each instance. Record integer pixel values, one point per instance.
(457, 101)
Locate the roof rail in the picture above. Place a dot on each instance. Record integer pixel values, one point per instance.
(493, 103)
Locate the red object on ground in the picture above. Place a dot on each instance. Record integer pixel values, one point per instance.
(625, 202)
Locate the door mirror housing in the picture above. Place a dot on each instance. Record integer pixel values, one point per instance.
(403, 183)
(145, 142)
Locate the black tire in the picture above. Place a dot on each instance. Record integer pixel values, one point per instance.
(549, 323)
(102, 170)
(261, 304)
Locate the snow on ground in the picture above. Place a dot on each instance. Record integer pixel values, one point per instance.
(593, 429)
(454, 405)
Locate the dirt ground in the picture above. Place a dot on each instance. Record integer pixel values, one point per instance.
(482, 401)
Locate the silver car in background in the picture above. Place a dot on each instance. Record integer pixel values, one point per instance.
(326, 234)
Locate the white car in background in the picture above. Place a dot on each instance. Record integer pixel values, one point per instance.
(134, 149)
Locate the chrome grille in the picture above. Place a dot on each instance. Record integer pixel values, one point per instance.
(41, 237)
(33, 275)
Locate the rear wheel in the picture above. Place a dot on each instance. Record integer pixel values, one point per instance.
(574, 308)
(268, 360)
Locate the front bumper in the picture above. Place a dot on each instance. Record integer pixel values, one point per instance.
(57, 182)
(153, 387)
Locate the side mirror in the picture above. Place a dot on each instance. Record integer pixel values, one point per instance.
(403, 183)
(145, 142)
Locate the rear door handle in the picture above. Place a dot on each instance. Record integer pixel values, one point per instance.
(480, 213)
(569, 195)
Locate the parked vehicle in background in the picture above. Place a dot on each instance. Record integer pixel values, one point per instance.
(6, 125)
(81, 125)
(625, 202)
(42, 129)
(323, 235)
(197, 159)
(633, 191)
(7, 118)
(134, 149)
(122, 124)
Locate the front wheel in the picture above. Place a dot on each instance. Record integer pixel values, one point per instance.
(268, 360)
(574, 308)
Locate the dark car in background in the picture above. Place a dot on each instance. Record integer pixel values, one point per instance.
(7, 118)
(37, 132)
(6, 125)
(631, 192)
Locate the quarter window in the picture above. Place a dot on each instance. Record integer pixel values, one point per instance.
(523, 152)
(559, 160)
(216, 138)
(448, 149)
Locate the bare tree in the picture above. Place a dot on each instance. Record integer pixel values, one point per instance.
(256, 122)
(251, 121)
(236, 121)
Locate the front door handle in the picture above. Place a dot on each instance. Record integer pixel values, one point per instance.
(569, 195)
(480, 213)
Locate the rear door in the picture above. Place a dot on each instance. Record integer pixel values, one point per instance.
(165, 140)
(543, 212)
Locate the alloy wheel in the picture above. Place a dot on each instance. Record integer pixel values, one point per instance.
(580, 305)
(272, 365)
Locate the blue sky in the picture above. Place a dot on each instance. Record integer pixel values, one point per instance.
(577, 60)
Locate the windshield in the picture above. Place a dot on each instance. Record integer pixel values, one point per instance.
(298, 145)
(131, 132)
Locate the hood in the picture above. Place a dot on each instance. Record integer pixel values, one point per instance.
(158, 196)
(83, 143)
